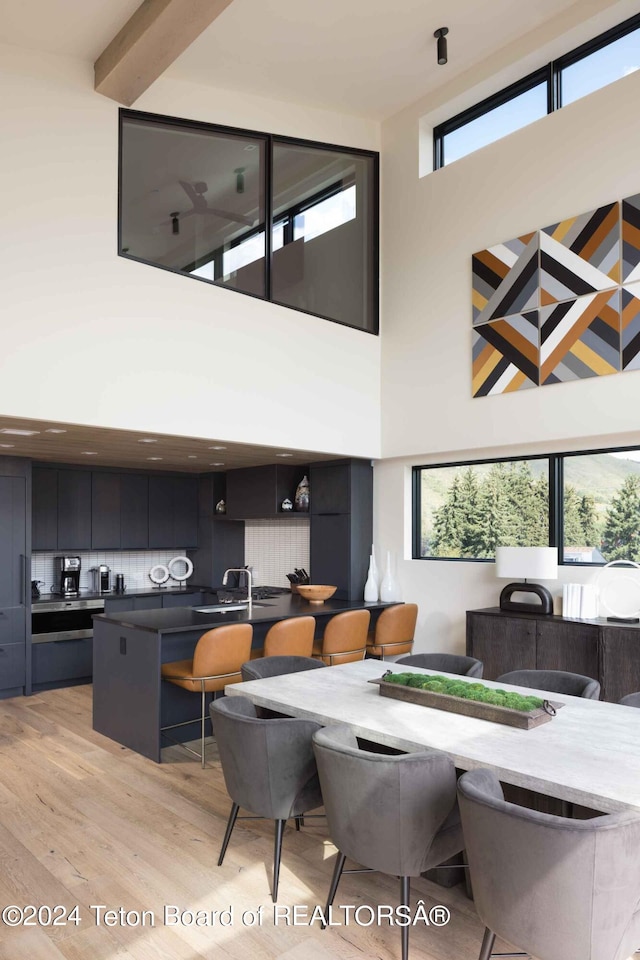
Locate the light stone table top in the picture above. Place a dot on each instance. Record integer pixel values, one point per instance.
(588, 754)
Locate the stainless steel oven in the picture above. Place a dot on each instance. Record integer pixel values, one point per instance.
(63, 620)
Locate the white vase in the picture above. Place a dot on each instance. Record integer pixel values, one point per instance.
(388, 587)
(374, 568)
(371, 586)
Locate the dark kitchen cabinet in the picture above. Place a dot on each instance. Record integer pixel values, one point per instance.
(173, 512)
(44, 517)
(220, 540)
(341, 524)
(74, 510)
(134, 511)
(119, 511)
(15, 564)
(256, 493)
(61, 509)
(105, 511)
(62, 662)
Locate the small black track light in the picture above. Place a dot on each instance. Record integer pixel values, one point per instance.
(175, 224)
(239, 172)
(441, 37)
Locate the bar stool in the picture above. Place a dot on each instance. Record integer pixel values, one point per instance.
(217, 661)
(345, 638)
(394, 631)
(290, 638)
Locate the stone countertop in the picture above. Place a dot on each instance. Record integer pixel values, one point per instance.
(183, 619)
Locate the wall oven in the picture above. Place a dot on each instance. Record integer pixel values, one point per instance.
(63, 620)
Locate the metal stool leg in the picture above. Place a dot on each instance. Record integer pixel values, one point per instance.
(204, 701)
(277, 853)
(487, 944)
(335, 880)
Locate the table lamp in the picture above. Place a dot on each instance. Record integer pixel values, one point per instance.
(526, 562)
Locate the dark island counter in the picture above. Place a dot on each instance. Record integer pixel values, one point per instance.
(130, 702)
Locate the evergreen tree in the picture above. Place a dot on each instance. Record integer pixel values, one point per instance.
(573, 529)
(621, 539)
(589, 521)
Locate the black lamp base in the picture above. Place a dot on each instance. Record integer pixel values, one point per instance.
(545, 606)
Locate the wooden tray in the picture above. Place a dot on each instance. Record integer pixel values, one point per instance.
(468, 708)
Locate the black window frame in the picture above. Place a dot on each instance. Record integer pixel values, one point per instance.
(556, 499)
(269, 140)
(551, 74)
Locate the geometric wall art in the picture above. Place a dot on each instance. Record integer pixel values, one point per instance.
(580, 338)
(506, 355)
(630, 326)
(505, 279)
(631, 239)
(559, 304)
(580, 255)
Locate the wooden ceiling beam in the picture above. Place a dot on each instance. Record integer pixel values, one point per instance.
(157, 33)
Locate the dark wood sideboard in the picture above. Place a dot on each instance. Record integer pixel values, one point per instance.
(608, 652)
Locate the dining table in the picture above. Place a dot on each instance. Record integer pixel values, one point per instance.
(587, 754)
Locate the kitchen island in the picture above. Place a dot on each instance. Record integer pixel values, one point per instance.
(130, 701)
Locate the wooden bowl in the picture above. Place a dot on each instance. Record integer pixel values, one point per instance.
(316, 592)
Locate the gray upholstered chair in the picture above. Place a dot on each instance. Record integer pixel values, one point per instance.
(277, 666)
(396, 814)
(445, 662)
(631, 700)
(268, 767)
(558, 889)
(556, 681)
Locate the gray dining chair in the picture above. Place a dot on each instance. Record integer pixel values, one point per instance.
(395, 814)
(631, 700)
(555, 681)
(558, 889)
(445, 662)
(268, 767)
(264, 667)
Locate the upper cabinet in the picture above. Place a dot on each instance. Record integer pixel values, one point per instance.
(173, 512)
(256, 493)
(107, 510)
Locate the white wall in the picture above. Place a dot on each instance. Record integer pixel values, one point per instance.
(568, 163)
(143, 348)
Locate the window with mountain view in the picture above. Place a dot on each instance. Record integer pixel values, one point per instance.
(601, 506)
(467, 510)
(587, 504)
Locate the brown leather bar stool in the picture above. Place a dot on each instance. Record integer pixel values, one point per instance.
(345, 638)
(394, 631)
(217, 660)
(290, 638)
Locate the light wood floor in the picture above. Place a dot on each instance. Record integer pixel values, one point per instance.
(85, 821)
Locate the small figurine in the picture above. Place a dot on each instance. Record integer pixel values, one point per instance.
(302, 496)
(286, 505)
(221, 507)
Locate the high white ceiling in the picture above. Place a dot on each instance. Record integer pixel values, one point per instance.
(363, 57)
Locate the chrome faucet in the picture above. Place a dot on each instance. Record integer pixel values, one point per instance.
(247, 573)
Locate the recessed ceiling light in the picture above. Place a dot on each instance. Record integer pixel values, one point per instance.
(147, 440)
(192, 456)
(54, 430)
(284, 454)
(216, 464)
(15, 432)
(154, 458)
(6, 446)
(251, 146)
(217, 448)
(90, 453)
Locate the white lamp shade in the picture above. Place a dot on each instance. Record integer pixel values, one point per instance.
(527, 563)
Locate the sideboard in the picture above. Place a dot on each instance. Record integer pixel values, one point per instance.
(608, 652)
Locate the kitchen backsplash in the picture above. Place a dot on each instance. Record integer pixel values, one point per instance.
(276, 547)
(134, 564)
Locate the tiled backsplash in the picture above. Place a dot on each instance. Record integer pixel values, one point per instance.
(134, 564)
(276, 547)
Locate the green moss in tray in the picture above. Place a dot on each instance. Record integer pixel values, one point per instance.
(466, 691)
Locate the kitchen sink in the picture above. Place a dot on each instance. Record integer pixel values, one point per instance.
(229, 607)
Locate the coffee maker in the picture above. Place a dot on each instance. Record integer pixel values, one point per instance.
(101, 578)
(68, 575)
